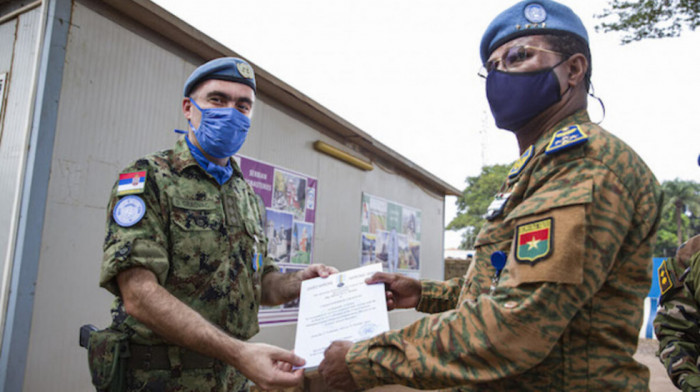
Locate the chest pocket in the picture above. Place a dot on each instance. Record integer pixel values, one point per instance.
(549, 236)
(243, 211)
(196, 215)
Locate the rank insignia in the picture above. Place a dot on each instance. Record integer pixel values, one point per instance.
(665, 281)
(533, 241)
(131, 183)
(521, 162)
(566, 138)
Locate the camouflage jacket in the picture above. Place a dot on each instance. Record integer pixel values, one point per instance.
(677, 322)
(578, 229)
(198, 238)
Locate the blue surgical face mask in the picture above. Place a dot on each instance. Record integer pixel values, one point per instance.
(517, 97)
(222, 131)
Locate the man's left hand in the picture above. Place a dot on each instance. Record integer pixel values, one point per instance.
(316, 270)
(333, 368)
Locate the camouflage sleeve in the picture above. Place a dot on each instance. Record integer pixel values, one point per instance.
(501, 335)
(144, 244)
(439, 296)
(677, 323)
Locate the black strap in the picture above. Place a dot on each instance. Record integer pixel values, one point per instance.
(156, 358)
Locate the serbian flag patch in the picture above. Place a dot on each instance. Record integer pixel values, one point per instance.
(533, 241)
(131, 183)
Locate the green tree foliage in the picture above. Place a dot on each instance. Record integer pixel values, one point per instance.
(475, 199)
(640, 19)
(680, 215)
(680, 218)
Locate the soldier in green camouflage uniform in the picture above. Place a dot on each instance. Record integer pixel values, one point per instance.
(677, 323)
(185, 254)
(574, 225)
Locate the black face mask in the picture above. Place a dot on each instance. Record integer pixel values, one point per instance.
(517, 97)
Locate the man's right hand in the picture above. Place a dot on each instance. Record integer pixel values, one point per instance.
(270, 367)
(401, 291)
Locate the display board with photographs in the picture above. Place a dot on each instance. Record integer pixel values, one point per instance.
(390, 235)
(290, 208)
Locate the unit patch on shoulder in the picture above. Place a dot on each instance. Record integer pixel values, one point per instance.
(665, 281)
(521, 162)
(129, 210)
(131, 183)
(566, 138)
(533, 241)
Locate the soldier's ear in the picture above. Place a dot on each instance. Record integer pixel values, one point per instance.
(577, 65)
(187, 108)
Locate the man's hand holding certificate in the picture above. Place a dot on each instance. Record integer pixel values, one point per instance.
(339, 307)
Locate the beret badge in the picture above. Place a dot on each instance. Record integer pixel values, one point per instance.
(245, 70)
(535, 13)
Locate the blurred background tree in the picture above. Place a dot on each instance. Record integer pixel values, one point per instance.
(643, 19)
(680, 218)
(475, 199)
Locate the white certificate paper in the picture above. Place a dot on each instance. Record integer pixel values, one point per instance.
(339, 307)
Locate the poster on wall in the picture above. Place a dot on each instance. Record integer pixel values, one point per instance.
(290, 210)
(390, 235)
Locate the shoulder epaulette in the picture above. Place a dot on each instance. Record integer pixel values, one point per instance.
(566, 138)
(521, 162)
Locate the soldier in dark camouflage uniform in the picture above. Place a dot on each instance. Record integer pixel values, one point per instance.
(677, 323)
(185, 253)
(572, 228)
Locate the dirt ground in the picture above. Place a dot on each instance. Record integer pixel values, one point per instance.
(646, 354)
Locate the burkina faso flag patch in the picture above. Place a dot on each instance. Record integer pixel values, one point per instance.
(533, 241)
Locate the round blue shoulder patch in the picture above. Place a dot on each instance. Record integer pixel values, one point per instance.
(129, 211)
(535, 13)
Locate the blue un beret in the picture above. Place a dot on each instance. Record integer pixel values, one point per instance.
(231, 69)
(531, 17)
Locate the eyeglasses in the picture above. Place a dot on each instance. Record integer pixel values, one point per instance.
(512, 58)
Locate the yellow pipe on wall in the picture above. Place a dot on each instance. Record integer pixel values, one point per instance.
(343, 156)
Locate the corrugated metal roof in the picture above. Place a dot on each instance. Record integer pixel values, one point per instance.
(169, 27)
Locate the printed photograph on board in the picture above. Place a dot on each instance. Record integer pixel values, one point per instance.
(302, 238)
(278, 230)
(290, 194)
(377, 215)
(390, 235)
(369, 246)
(411, 224)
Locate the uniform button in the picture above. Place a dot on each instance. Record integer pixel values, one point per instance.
(510, 304)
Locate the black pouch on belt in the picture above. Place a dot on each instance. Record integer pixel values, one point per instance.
(108, 352)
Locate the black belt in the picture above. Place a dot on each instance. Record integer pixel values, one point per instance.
(156, 358)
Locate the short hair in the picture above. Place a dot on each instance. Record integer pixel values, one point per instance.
(569, 45)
